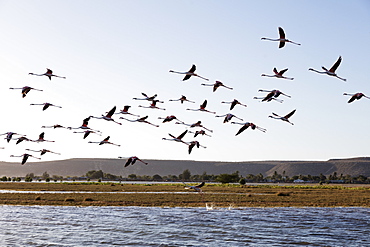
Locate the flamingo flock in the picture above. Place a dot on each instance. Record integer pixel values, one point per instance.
(272, 95)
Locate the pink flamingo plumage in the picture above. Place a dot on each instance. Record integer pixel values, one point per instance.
(216, 85)
(279, 74)
(202, 108)
(108, 116)
(332, 70)
(233, 103)
(131, 160)
(282, 40)
(42, 151)
(106, 141)
(284, 118)
(189, 73)
(140, 120)
(355, 96)
(26, 90)
(47, 105)
(25, 157)
(247, 125)
(49, 73)
(228, 117)
(182, 99)
(272, 95)
(177, 139)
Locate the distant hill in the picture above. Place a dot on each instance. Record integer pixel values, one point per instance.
(79, 167)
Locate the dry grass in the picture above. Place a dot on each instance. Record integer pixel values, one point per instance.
(219, 195)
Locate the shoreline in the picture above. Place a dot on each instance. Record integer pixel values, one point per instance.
(174, 195)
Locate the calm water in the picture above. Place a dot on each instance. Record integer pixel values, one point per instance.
(136, 226)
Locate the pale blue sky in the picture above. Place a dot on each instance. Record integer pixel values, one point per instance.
(111, 51)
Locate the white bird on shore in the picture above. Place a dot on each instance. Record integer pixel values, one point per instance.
(197, 188)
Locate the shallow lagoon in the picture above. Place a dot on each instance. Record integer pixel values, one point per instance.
(152, 226)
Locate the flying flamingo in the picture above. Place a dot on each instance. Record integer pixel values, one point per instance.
(169, 119)
(284, 118)
(87, 133)
(182, 99)
(140, 120)
(9, 135)
(202, 107)
(108, 116)
(281, 39)
(272, 95)
(84, 126)
(25, 157)
(46, 105)
(177, 139)
(234, 103)
(132, 160)
(197, 188)
(279, 74)
(41, 138)
(105, 141)
(199, 132)
(197, 124)
(355, 96)
(193, 144)
(247, 125)
(23, 138)
(332, 70)
(125, 111)
(153, 105)
(43, 151)
(54, 126)
(49, 73)
(146, 97)
(190, 73)
(216, 85)
(228, 117)
(25, 90)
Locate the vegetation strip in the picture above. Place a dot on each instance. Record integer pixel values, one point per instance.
(220, 195)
